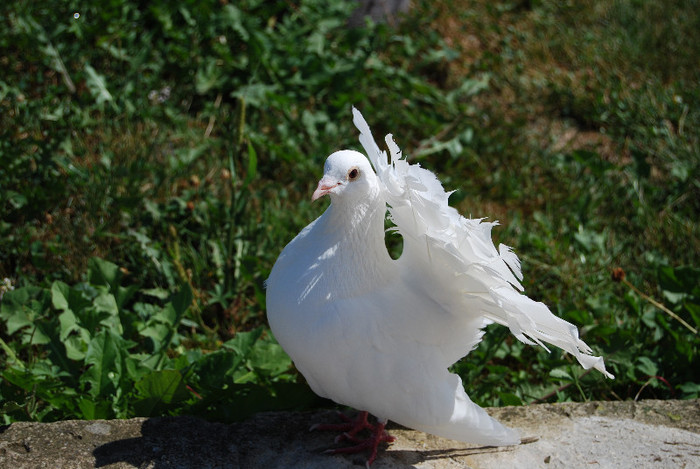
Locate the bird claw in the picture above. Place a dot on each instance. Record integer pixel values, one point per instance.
(349, 436)
(350, 429)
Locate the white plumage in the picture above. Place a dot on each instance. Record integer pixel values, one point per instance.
(378, 334)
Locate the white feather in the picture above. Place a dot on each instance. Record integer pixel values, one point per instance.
(422, 211)
(378, 334)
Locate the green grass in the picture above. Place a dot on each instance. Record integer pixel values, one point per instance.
(155, 160)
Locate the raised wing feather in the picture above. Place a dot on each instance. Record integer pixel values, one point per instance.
(457, 257)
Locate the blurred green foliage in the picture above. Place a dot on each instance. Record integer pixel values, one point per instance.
(155, 158)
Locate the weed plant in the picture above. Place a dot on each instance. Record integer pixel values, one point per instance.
(156, 158)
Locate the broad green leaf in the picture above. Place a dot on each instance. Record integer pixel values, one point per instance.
(97, 409)
(87, 408)
(647, 367)
(10, 407)
(76, 346)
(242, 343)
(74, 337)
(16, 316)
(105, 357)
(508, 398)
(215, 369)
(163, 325)
(146, 311)
(106, 306)
(167, 316)
(137, 366)
(23, 378)
(159, 389)
(673, 297)
(694, 310)
(105, 302)
(97, 85)
(124, 294)
(156, 331)
(102, 272)
(181, 300)
(90, 319)
(558, 373)
(21, 307)
(669, 281)
(160, 293)
(692, 390)
(59, 295)
(65, 297)
(269, 359)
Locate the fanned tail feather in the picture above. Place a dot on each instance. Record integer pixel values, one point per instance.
(511, 260)
(533, 323)
(469, 422)
(461, 252)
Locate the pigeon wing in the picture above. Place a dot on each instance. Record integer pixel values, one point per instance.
(453, 258)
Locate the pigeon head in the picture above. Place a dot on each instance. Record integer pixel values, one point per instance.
(347, 175)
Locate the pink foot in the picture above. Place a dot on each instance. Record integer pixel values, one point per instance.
(350, 430)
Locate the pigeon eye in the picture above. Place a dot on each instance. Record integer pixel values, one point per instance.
(353, 174)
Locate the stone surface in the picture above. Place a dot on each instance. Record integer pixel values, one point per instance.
(645, 434)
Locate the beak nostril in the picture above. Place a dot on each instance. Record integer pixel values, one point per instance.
(325, 186)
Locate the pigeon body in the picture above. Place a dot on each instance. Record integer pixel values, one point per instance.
(379, 334)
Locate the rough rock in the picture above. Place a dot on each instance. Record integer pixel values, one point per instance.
(639, 435)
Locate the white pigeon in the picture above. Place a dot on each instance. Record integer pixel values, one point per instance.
(379, 334)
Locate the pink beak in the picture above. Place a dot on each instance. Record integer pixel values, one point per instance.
(325, 185)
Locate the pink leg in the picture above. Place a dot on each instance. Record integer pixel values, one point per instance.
(350, 430)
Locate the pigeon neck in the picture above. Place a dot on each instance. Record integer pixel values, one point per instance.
(358, 221)
(357, 230)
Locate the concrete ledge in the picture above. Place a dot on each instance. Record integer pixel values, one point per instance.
(645, 434)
